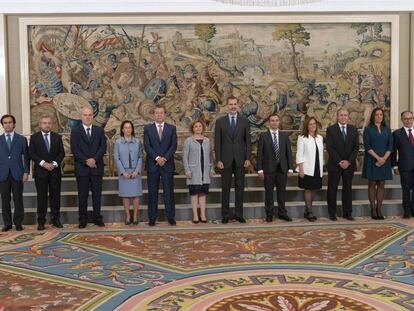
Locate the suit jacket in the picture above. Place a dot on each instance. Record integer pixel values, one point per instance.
(306, 153)
(123, 151)
(338, 149)
(155, 147)
(38, 152)
(230, 147)
(84, 149)
(403, 151)
(16, 161)
(266, 156)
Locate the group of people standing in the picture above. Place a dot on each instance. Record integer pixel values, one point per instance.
(384, 151)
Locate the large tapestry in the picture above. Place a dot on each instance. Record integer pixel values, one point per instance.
(123, 71)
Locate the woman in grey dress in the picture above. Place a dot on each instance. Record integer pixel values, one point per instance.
(198, 166)
(128, 159)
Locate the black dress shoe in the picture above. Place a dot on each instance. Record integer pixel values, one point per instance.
(285, 217)
(151, 223)
(99, 223)
(240, 220)
(406, 216)
(269, 218)
(19, 227)
(333, 218)
(40, 227)
(6, 228)
(56, 223)
(172, 222)
(225, 221)
(82, 225)
(128, 222)
(350, 218)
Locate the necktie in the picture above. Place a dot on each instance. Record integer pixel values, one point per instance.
(160, 131)
(47, 142)
(8, 140)
(232, 125)
(88, 132)
(343, 132)
(410, 136)
(276, 147)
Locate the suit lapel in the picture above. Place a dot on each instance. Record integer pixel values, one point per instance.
(41, 139)
(14, 141)
(83, 134)
(404, 134)
(93, 136)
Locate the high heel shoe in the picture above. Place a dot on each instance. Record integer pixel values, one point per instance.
(128, 222)
(195, 221)
(379, 213)
(309, 216)
(136, 222)
(374, 214)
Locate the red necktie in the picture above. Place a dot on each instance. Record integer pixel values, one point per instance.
(410, 136)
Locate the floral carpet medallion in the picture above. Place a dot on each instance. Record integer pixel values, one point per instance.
(287, 267)
(187, 251)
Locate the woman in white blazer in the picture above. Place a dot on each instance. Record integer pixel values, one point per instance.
(309, 157)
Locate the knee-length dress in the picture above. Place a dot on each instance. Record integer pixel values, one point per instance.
(380, 143)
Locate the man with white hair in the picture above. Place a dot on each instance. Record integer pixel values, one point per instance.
(88, 145)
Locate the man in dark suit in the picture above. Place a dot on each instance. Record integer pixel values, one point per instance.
(233, 151)
(14, 171)
(274, 165)
(342, 144)
(403, 161)
(160, 143)
(88, 145)
(46, 151)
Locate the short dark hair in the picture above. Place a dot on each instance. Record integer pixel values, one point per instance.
(8, 116)
(122, 127)
(194, 122)
(232, 97)
(372, 118)
(274, 115)
(405, 111)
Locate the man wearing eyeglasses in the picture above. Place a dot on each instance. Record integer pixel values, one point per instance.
(403, 161)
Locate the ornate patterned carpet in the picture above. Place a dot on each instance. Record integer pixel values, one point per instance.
(363, 265)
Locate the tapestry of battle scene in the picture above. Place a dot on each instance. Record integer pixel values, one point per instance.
(124, 71)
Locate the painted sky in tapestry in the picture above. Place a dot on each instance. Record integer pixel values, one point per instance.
(123, 71)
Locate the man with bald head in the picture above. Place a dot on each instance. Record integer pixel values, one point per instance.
(88, 145)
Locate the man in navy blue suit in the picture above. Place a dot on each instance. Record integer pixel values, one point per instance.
(14, 171)
(403, 161)
(88, 145)
(160, 143)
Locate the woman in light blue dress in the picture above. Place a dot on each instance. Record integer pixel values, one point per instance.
(128, 159)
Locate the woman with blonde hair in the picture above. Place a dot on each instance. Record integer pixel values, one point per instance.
(198, 166)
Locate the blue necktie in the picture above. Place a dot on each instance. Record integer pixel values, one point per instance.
(8, 141)
(232, 125)
(47, 142)
(343, 132)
